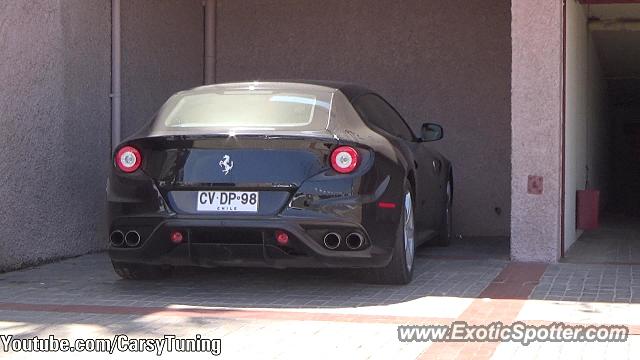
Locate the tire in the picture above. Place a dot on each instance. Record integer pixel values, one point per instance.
(399, 271)
(446, 227)
(131, 271)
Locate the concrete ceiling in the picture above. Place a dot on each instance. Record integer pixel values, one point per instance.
(616, 11)
(616, 34)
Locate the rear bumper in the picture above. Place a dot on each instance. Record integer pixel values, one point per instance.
(201, 245)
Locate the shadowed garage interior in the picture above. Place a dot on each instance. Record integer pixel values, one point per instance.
(603, 130)
(444, 62)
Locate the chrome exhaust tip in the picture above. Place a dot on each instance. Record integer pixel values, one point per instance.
(116, 238)
(354, 241)
(332, 240)
(132, 239)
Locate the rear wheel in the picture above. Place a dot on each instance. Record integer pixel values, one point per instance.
(132, 271)
(400, 270)
(446, 227)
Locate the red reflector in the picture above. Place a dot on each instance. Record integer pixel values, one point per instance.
(282, 238)
(386, 205)
(176, 237)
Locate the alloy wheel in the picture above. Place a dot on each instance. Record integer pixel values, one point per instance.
(409, 246)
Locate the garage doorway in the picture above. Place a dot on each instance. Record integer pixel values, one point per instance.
(602, 133)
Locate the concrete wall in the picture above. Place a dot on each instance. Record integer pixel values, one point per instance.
(54, 119)
(536, 106)
(437, 61)
(586, 132)
(163, 52)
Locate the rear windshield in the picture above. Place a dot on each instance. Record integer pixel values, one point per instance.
(251, 108)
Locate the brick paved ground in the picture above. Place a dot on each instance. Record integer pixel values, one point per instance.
(297, 314)
(615, 241)
(59, 284)
(590, 282)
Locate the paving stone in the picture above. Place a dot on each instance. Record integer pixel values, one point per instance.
(439, 285)
(566, 281)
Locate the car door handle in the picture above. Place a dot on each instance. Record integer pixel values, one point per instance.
(437, 166)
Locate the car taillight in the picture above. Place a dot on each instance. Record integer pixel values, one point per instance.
(128, 159)
(344, 159)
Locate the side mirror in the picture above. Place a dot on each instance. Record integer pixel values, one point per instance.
(431, 132)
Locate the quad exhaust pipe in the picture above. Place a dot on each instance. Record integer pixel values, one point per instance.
(332, 240)
(117, 238)
(354, 241)
(132, 238)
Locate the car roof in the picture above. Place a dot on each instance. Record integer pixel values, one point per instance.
(350, 90)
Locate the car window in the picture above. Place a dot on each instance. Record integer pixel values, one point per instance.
(375, 111)
(209, 108)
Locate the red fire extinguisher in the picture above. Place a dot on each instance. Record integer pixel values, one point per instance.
(587, 207)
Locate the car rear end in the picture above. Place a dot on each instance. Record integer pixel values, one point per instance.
(249, 175)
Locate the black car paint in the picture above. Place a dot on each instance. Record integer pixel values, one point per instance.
(307, 197)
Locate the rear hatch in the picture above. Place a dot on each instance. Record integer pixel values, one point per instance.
(242, 175)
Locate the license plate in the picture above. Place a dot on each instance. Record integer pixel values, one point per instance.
(227, 201)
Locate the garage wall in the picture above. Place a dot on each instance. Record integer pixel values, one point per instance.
(54, 121)
(162, 53)
(447, 62)
(586, 117)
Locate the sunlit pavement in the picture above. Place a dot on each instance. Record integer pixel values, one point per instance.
(261, 313)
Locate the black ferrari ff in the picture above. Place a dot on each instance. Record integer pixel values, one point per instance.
(278, 174)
